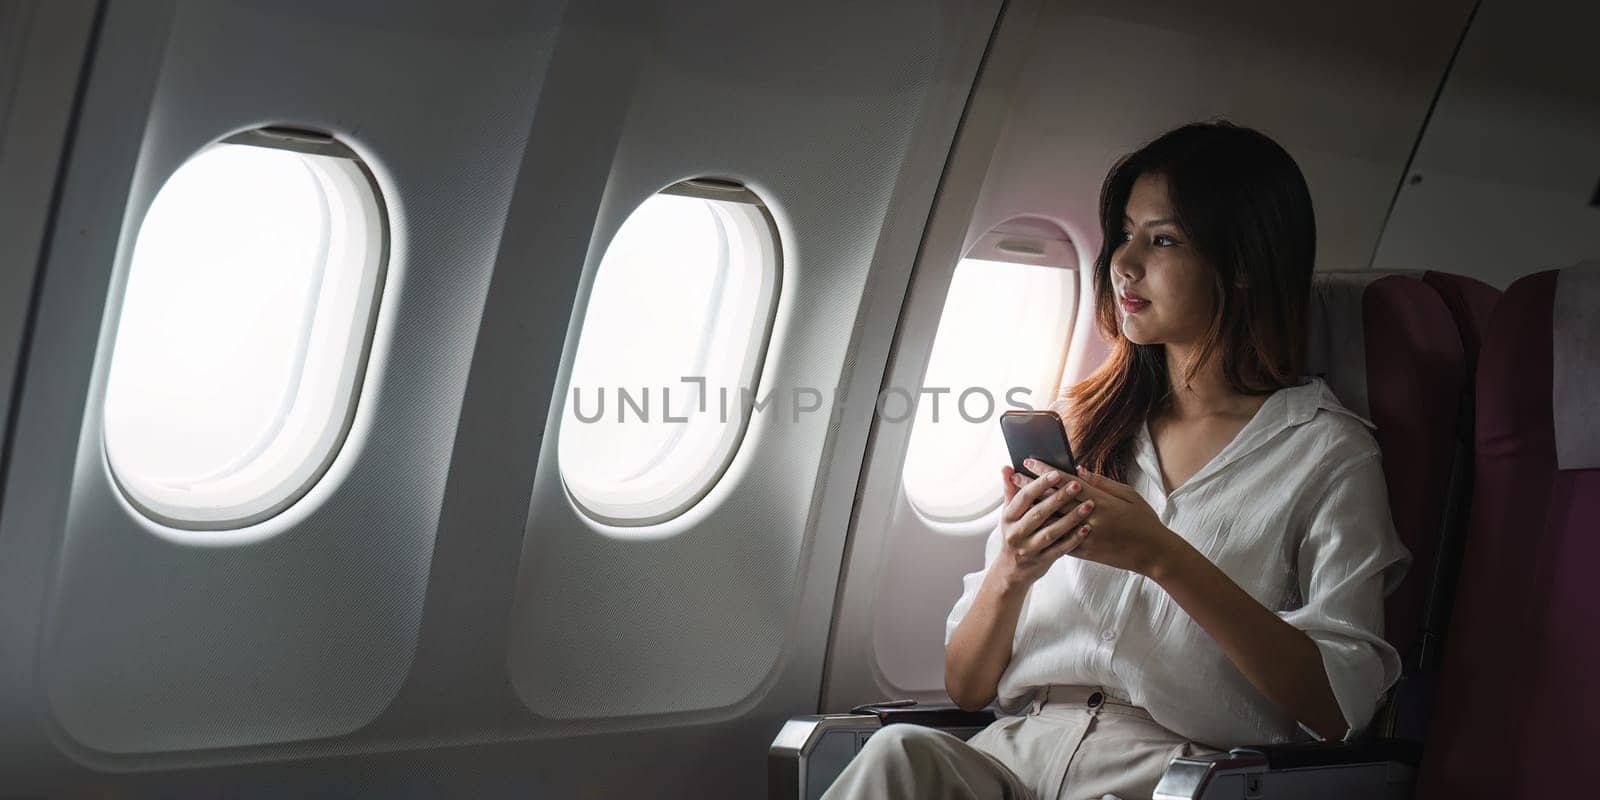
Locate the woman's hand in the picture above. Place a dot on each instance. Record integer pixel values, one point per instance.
(1120, 529)
(1032, 539)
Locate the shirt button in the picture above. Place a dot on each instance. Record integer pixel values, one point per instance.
(1108, 635)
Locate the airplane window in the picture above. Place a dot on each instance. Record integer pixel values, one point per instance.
(1005, 325)
(669, 356)
(244, 329)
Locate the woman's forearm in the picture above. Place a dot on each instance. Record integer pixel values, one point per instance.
(980, 646)
(1280, 660)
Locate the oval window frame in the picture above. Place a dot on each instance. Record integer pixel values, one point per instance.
(1022, 241)
(347, 173)
(761, 226)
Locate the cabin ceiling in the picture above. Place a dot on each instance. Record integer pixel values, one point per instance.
(1345, 87)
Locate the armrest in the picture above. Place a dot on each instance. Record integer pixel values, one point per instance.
(944, 717)
(810, 751)
(1300, 755)
(1377, 768)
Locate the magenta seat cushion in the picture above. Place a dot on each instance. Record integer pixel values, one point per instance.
(1520, 691)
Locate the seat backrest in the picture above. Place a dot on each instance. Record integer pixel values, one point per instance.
(1518, 697)
(1388, 347)
(1471, 302)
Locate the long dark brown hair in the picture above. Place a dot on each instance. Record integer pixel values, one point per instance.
(1244, 206)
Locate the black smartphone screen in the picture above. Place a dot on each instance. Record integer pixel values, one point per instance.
(1039, 435)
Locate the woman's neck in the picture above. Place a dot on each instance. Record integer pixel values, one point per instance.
(1208, 393)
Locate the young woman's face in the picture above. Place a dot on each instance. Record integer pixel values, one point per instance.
(1164, 290)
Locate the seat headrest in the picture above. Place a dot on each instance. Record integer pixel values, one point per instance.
(1575, 357)
(1336, 348)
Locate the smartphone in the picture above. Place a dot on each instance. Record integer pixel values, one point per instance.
(1039, 435)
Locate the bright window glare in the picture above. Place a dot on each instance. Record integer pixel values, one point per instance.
(684, 290)
(1004, 325)
(240, 273)
(241, 333)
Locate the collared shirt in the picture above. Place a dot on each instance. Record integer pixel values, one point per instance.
(1295, 511)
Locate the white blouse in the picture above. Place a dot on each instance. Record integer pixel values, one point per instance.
(1295, 511)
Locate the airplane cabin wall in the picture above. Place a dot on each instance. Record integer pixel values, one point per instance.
(41, 59)
(409, 619)
(1506, 180)
(157, 641)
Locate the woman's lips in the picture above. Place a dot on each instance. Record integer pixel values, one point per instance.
(1134, 305)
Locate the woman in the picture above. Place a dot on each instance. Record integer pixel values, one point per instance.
(1217, 576)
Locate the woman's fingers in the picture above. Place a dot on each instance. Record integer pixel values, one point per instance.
(1031, 502)
(1039, 514)
(1068, 543)
(1038, 467)
(1114, 488)
(1030, 494)
(1008, 482)
(1042, 511)
(1059, 528)
(1020, 480)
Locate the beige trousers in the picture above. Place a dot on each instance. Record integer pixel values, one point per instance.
(1072, 743)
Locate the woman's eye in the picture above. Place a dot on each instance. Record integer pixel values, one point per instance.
(1162, 240)
(1127, 237)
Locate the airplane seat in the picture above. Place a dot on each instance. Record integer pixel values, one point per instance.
(1471, 302)
(1388, 346)
(1518, 698)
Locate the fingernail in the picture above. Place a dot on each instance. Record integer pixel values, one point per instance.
(1088, 504)
(1030, 463)
(1072, 487)
(1053, 477)
(1083, 529)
